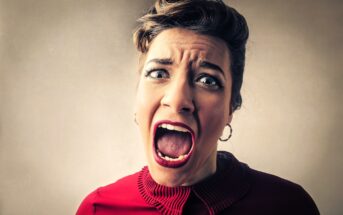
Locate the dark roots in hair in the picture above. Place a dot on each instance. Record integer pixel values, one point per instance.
(208, 17)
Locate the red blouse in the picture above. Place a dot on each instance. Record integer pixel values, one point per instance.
(234, 189)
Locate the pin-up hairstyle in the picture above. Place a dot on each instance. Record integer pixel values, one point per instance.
(207, 17)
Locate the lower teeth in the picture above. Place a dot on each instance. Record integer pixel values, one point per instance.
(165, 157)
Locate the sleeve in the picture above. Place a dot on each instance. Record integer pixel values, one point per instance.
(87, 206)
(304, 204)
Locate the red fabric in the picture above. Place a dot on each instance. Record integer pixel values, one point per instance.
(121, 197)
(234, 189)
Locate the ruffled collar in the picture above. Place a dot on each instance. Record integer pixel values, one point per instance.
(229, 184)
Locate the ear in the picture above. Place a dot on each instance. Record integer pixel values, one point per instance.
(229, 119)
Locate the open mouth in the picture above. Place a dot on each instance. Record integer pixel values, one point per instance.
(173, 143)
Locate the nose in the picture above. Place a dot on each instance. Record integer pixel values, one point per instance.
(178, 96)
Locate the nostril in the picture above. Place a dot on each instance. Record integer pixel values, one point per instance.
(179, 99)
(188, 108)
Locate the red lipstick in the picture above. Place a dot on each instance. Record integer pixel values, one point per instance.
(164, 160)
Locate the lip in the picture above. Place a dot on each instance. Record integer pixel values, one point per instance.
(178, 163)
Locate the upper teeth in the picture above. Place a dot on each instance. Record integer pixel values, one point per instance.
(173, 127)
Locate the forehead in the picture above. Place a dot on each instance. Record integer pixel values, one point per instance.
(181, 44)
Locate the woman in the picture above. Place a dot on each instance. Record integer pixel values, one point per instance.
(191, 69)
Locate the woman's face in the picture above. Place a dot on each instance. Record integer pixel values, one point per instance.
(183, 104)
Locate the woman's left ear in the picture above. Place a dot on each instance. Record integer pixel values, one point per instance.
(230, 115)
(229, 118)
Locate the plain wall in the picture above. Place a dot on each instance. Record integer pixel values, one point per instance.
(68, 73)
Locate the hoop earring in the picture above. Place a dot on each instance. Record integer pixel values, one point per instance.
(226, 139)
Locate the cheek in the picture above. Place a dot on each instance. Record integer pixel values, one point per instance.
(146, 102)
(213, 115)
(143, 116)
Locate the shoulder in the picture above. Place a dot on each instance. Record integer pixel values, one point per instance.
(280, 194)
(121, 186)
(120, 193)
(266, 193)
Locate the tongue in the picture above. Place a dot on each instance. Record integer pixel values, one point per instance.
(174, 144)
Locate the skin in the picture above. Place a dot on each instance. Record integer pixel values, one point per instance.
(185, 78)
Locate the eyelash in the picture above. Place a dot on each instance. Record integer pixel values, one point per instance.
(217, 85)
(150, 71)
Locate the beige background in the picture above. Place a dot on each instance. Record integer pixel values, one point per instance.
(67, 87)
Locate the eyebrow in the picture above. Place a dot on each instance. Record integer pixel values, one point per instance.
(203, 64)
(163, 61)
(208, 65)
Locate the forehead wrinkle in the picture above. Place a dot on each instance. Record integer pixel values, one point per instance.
(199, 44)
(200, 41)
(186, 48)
(188, 56)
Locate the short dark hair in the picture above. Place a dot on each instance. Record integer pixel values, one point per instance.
(208, 17)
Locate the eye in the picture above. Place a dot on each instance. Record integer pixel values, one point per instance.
(157, 74)
(209, 82)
